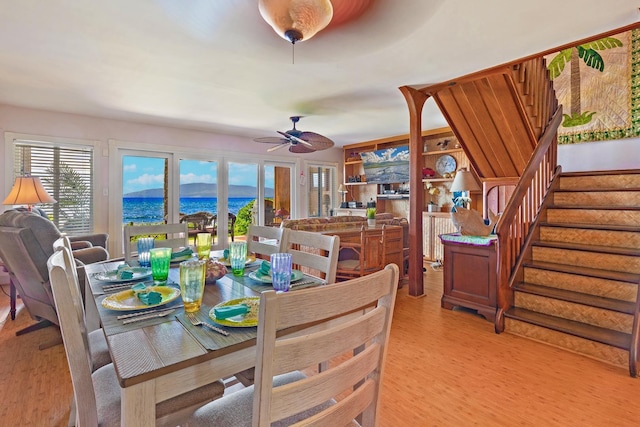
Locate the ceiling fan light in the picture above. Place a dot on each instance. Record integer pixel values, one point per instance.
(296, 20)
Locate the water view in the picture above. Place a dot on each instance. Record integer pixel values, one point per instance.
(151, 209)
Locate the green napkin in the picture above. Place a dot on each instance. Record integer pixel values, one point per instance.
(230, 311)
(265, 269)
(150, 298)
(185, 252)
(138, 288)
(125, 272)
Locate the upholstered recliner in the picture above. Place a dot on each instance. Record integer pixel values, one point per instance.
(26, 243)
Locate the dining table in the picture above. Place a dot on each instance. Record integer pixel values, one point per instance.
(160, 357)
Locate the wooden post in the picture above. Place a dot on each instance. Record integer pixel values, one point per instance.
(415, 101)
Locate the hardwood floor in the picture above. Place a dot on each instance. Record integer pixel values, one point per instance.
(444, 368)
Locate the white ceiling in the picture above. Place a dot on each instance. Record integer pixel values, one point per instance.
(215, 65)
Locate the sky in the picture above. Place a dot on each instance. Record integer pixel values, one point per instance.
(143, 173)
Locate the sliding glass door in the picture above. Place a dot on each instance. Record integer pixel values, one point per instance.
(145, 194)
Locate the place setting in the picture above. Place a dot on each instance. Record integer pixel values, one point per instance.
(207, 324)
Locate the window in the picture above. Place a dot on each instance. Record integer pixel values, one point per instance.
(66, 172)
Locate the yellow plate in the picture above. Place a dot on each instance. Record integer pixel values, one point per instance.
(127, 300)
(242, 320)
(227, 263)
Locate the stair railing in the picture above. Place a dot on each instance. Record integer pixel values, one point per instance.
(521, 213)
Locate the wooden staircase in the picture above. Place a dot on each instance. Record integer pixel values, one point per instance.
(581, 273)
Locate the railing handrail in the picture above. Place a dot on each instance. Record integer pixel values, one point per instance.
(511, 222)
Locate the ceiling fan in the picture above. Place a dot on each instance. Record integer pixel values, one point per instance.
(298, 141)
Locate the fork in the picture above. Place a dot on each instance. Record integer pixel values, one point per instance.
(197, 322)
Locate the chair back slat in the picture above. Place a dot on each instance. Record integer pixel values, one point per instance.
(264, 241)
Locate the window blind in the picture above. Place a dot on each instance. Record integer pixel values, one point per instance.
(66, 173)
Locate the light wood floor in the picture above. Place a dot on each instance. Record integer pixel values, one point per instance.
(444, 368)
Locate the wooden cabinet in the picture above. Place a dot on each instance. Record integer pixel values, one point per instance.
(470, 274)
(391, 198)
(441, 154)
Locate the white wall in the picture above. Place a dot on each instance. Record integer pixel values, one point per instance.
(606, 155)
(60, 125)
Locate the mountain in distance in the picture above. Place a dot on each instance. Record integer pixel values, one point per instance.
(203, 190)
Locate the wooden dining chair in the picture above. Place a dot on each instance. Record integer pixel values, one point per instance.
(96, 341)
(351, 323)
(264, 241)
(362, 257)
(313, 253)
(97, 394)
(167, 236)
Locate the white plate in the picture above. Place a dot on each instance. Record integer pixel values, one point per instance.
(112, 276)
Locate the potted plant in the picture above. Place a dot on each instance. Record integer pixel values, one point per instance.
(371, 217)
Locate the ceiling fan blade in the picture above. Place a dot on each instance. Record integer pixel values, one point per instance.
(278, 147)
(271, 140)
(318, 142)
(300, 149)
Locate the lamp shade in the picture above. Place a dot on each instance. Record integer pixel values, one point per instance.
(464, 181)
(342, 188)
(28, 190)
(296, 20)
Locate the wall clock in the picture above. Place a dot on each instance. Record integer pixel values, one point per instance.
(445, 164)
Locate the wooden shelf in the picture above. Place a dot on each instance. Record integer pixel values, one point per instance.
(437, 179)
(393, 196)
(450, 150)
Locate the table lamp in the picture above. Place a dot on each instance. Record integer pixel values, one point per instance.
(343, 189)
(464, 182)
(28, 190)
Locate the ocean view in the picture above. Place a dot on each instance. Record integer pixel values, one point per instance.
(150, 209)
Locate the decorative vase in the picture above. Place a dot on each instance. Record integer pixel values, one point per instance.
(371, 222)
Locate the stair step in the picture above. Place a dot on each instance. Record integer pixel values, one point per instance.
(594, 333)
(597, 180)
(596, 207)
(578, 298)
(608, 197)
(589, 248)
(590, 235)
(599, 273)
(614, 215)
(604, 257)
(604, 227)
